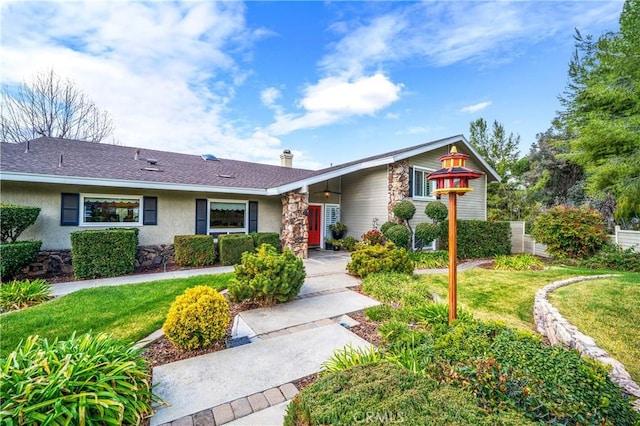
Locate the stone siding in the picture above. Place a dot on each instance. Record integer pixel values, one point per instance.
(551, 324)
(295, 223)
(398, 185)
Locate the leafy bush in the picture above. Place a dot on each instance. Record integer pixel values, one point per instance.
(21, 294)
(272, 238)
(103, 253)
(197, 318)
(385, 226)
(399, 235)
(576, 233)
(232, 247)
(267, 277)
(436, 211)
(479, 239)
(84, 380)
(373, 236)
(427, 232)
(15, 256)
(14, 220)
(384, 393)
(614, 257)
(194, 250)
(349, 243)
(430, 259)
(517, 262)
(379, 258)
(404, 210)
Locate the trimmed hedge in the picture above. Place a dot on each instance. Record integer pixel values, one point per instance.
(479, 239)
(272, 238)
(194, 250)
(367, 260)
(103, 253)
(15, 256)
(14, 220)
(232, 246)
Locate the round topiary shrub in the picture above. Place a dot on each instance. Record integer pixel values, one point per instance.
(385, 226)
(436, 211)
(427, 232)
(399, 235)
(404, 210)
(84, 380)
(197, 318)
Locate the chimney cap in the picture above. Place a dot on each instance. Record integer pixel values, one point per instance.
(286, 151)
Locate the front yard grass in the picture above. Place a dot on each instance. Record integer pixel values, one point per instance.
(505, 296)
(128, 312)
(607, 310)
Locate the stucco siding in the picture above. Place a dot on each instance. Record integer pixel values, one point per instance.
(176, 212)
(364, 198)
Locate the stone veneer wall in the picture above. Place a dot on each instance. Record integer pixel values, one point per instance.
(295, 229)
(398, 185)
(551, 324)
(58, 262)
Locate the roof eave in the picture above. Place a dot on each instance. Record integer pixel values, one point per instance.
(119, 183)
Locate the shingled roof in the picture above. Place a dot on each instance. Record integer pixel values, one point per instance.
(71, 161)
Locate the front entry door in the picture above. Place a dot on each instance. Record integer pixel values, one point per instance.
(314, 225)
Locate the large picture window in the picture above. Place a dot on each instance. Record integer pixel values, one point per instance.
(110, 209)
(227, 216)
(422, 188)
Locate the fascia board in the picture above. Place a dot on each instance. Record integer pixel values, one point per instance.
(116, 183)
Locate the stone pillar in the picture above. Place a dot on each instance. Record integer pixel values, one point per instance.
(295, 223)
(398, 185)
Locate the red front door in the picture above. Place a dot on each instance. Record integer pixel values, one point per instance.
(314, 225)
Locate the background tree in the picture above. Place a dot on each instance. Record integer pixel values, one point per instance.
(52, 107)
(602, 113)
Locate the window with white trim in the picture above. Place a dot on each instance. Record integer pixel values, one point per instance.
(422, 188)
(228, 216)
(111, 210)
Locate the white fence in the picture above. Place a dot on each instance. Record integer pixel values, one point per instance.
(523, 243)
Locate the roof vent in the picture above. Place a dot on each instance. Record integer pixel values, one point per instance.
(151, 169)
(209, 157)
(225, 176)
(136, 156)
(152, 161)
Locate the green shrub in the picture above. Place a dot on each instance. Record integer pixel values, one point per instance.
(84, 380)
(373, 236)
(349, 243)
(194, 250)
(371, 259)
(399, 235)
(22, 294)
(385, 226)
(15, 256)
(614, 257)
(232, 247)
(479, 239)
(197, 318)
(379, 312)
(350, 356)
(384, 393)
(430, 259)
(404, 210)
(398, 289)
(436, 211)
(272, 238)
(14, 220)
(517, 262)
(267, 277)
(103, 253)
(427, 232)
(576, 233)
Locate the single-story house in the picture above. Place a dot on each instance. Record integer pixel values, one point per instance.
(81, 185)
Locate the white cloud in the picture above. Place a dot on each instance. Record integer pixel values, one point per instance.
(475, 107)
(415, 130)
(269, 96)
(333, 99)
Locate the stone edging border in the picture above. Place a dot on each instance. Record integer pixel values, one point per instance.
(552, 325)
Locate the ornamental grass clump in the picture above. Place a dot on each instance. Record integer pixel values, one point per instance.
(83, 380)
(267, 277)
(197, 318)
(22, 294)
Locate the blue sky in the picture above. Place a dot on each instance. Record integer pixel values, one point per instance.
(331, 81)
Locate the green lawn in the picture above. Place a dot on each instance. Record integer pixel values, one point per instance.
(129, 312)
(609, 311)
(501, 295)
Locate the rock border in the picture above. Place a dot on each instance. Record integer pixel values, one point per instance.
(552, 325)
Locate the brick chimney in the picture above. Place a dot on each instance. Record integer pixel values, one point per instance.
(286, 158)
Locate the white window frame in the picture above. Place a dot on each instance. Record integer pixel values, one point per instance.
(115, 197)
(431, 183)
(326, 218)
(219, 231)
